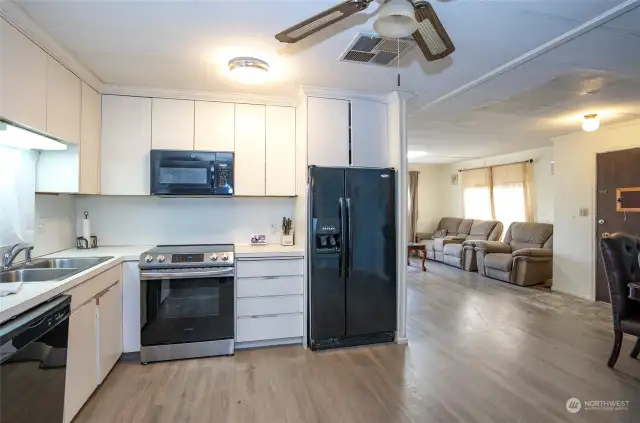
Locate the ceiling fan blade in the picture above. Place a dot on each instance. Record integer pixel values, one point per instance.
(431, 36)
(322, 20)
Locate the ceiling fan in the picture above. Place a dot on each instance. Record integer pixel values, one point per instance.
(396, 19)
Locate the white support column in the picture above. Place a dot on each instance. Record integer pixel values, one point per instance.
(397, 121)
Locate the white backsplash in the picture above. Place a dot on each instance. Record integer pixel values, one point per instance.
(55, 221)
(123, 220)
(17, 195)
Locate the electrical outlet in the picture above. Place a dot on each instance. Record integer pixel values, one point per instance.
(584, 212)
(274, 228)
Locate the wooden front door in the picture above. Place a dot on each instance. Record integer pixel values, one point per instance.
(617, 169)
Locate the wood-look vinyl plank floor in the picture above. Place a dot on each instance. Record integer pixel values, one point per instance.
(479, 350)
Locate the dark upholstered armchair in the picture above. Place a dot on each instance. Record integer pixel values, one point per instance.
(620, 257)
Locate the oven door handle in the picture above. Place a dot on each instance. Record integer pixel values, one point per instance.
(191, 274)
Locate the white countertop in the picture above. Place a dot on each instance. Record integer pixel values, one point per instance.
(34, 293)
(244, 251)
(126, 252)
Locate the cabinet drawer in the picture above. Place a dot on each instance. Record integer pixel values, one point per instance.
(258, 268)
(92, 287)
(269, 327)
(266, 287)
(269, 305)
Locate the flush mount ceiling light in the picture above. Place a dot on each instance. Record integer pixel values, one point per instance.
(396, 19)
(249, 70)
(590, 122)
(17, 137)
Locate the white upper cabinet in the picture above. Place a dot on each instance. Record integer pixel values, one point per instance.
(63, 102)
(90, 118)
(172, 124)
(23, 79)
(125, 145)
(281, 151)
(327, 132)
(214, 126)
(249, 175)
(369, 146)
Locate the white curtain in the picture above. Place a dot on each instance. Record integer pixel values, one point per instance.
(17, 195)
(476, 190)
(511, 193)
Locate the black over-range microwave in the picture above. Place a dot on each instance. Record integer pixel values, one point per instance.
(202, 173)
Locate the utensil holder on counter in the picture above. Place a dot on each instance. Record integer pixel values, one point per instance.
(287, 240)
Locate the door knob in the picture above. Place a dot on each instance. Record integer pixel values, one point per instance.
(600, 221)
(605, 234)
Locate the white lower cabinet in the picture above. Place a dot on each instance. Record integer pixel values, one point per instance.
(270, 301)
(95, 337)
(82, 359)
(264, 328)
(110, 329)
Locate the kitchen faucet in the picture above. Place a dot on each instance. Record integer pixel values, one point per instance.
(12, 252)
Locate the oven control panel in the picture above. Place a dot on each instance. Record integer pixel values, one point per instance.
(187, 258)
(174, 260)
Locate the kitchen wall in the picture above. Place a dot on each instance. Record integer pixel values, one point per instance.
(55, 223)
(133, 220)
(542, 181)
(574, 187)
(46, 221)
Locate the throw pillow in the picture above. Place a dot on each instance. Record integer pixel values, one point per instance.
(440, 233)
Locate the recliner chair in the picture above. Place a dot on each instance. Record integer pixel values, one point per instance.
(524, 258)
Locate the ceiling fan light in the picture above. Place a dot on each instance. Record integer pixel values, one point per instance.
(249, 70)
(396, 19)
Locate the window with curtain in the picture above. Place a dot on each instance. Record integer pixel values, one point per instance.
(476, 191)
(510, 184)
(498, 193)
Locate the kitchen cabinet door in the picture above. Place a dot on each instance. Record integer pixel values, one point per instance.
(125, 145)
(172, 124)
(110, 329)
(249, 175)
(90, 141)
(23, 79)
(63, 102)
(280, 153)
(82, 359)
(369, 134)
(214, 126)
(327, 132)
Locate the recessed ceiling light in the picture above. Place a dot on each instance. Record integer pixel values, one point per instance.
(249, 70)
(590, 122)
(414, 154)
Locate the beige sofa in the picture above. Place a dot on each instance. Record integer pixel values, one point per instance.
(449, 248)
(524, 258)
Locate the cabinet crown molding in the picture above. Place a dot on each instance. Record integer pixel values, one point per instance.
(17, 17)
(197, 95)
(340, 94)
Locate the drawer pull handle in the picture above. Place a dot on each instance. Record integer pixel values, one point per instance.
(271, 277)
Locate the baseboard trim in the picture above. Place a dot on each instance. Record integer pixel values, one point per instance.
(402, 341)
(269, 343)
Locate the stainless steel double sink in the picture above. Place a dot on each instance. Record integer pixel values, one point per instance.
(50, 270)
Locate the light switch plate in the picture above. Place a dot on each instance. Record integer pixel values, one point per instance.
(584, 212)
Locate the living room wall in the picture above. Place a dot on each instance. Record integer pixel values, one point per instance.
(542, 181)
(431, 191)
(574, 186)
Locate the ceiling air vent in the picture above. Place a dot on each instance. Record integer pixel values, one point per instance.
(375, 50)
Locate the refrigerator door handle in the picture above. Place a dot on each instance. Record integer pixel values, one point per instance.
(343, 250)
(350, 235)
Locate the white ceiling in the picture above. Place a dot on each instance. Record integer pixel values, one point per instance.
(186, 45)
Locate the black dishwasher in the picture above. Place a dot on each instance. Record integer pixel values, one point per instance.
(33, 361)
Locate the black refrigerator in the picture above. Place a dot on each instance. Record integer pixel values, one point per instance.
(352, 274)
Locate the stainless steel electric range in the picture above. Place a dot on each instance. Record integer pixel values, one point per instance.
(187, 302)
